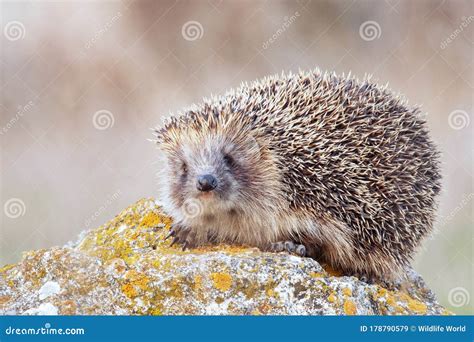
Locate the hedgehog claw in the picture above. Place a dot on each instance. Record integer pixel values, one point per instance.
(277, 247)
(172, 233)
(183, 236)
(300, 250)
(175, 240)
(288, 246)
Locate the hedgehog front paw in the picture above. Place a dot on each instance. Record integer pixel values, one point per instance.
(288, 246)
(183, 236)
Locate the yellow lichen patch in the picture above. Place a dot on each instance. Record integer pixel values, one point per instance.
(6, 268)
(67, 307)
(332, 298)
(129, 290)
(228, 249)
(381, 293)
(316, 275)
(156, 311)
(197, 285)
(391, 301)
(417, 306)
(3, 300)
(134, 283)
(150, 220)
(175, 288)
(332, 272)
(349, 307)
(264, 308)
(270, 289)
(222, 281)
(249, 289)
(347, 291)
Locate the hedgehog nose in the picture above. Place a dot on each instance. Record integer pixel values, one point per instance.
(206, 183)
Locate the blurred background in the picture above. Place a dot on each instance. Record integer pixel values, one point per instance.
(83, 82)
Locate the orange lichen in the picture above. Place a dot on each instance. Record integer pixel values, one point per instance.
(347, 291)
(134, 283)
(332, 298)
(197, 282)
(67, 307)
(417, 306)
(332, 272)
(349, 307)
(6, 268)
(316, 275)
(129, 290)
(150, 220)
(155, 311)
(4, 299)
(222, 281)
(175, 288)
(264, 308)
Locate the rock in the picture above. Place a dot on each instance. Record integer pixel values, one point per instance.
(125, 267)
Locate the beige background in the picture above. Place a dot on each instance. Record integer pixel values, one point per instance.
(62, 62)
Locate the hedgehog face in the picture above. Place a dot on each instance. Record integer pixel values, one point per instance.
(207, 177)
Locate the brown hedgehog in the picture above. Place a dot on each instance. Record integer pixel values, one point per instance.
(316, 164)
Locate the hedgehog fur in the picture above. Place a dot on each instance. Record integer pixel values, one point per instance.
(341, 166)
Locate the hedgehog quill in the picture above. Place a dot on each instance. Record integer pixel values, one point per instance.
(316, 164)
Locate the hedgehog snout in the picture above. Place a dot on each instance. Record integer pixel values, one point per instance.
(206, 183)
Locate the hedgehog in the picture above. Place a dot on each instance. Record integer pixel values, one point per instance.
(319, 165)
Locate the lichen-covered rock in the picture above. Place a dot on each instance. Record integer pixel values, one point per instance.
(126, 267)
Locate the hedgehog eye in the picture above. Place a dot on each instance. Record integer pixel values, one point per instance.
(184, 168)
(229, 161)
